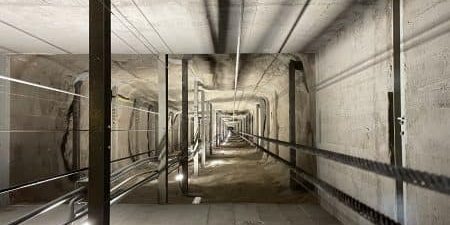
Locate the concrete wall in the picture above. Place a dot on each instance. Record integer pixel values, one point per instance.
(426, 76)
(353, 78)
(41, 145)
(277, 95)
(4, 126)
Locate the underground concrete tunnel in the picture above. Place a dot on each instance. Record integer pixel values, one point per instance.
(217, 112)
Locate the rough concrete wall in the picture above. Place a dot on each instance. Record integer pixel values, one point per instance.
(426, 75)
(39, 120)
(303, 114)
(353, 77)
(41, 146)
(4, 126)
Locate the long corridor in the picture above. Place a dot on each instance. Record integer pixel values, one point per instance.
(241, 112)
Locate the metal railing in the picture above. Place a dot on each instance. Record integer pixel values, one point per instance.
(78, 194)
(434, 182)
(430, 181)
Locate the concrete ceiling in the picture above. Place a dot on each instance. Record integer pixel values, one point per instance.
(205, 29)
(162, 26)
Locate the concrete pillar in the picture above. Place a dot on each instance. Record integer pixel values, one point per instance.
(196, 125)
(163, 134)
(203, 129)
(184, 127)
(4, 126)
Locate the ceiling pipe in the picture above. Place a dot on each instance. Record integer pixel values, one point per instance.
(238, 48)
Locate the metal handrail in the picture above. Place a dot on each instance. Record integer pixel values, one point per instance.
(48, 206)
(434, 182)
(57, 177)
(118, 173)
(41, 181)
(83, 211)
(362, 209)
(131, 156)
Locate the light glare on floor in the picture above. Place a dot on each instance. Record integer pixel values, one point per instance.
(179, 177)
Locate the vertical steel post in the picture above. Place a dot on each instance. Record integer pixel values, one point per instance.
(163, 133)
(99, 111)
(217, 129)
(258, 112)
(196, 125)
(293, 66)
(210, 129)
(397, 104)
(203, 129)
(184, 126)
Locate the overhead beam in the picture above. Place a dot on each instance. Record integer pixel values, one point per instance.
(99, 111)
(238, 50)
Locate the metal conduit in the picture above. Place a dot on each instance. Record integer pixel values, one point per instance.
(362, 209)
(48, 206)
(434, 182)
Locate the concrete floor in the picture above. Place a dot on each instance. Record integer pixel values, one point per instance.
(204, 214)
(238, 186)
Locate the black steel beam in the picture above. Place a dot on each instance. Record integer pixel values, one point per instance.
(293, 66)
(210, 128)
(163, 137)
(398, 156)
(99, 111)
(184, 126)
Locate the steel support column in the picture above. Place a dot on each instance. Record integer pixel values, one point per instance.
(293, 66)
(203, 129)
(258, 125)
(210, 129)
(196, 125)
(398, 155)
(184, 126)
(163, 133)
(99, 111)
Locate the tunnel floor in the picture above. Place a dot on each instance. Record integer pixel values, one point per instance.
(238, 186)
(234, 173)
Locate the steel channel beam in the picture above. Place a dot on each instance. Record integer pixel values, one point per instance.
(196, 125)
(397, 106)
(184, 126)
(210, 128)
(203, 129)
(293, 66)
(99, 111)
